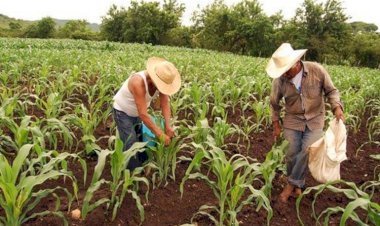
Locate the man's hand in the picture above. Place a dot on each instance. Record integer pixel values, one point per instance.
(339, 114)
(276, 130)
(165, 138)
(169, 131)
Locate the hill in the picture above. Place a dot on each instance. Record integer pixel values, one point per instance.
(5, 21)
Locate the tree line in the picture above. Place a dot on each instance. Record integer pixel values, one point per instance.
(242, 28)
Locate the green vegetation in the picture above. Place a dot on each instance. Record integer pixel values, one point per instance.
(56, 95)
(242, 28)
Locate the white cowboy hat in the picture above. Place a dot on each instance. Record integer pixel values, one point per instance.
(283, 59)
(164, 75)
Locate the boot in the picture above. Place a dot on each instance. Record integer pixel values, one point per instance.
(284, 196)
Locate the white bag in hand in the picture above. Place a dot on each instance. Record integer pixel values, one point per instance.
(326, 154)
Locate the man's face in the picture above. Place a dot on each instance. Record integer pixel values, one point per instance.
(293, 71)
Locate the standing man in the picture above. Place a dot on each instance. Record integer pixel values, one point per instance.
(131, 102)
(303, 85)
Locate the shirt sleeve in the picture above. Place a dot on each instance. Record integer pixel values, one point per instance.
(275, 98)
(331, 93)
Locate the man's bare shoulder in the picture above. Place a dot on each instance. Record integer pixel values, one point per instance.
(136, 84)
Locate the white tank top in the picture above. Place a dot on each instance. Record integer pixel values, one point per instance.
(124, 101)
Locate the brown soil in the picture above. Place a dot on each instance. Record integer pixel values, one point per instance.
(166, 207)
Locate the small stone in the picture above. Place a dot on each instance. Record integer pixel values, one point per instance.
(75, 214)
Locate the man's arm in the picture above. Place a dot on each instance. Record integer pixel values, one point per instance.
(275, 98)
(137, 87)
(165, 107)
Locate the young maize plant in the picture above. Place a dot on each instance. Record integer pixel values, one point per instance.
(373, 123)
(19, 181)
(233, 179)
(164, 160)
(53, 106)
(9, 105)
(358, 197)
(221, 130)
(123, 180)
(219, 108)
(272, 163)
(54, 129)
(87, 122)
(200, 133)
(21, 132)
(95, 184)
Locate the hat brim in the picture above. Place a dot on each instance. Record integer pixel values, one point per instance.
(274, 72)
(167, 89)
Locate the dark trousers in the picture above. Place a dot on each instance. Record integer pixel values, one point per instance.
(130, 131)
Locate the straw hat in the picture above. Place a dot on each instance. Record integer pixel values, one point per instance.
(283, 59)
(164, 75)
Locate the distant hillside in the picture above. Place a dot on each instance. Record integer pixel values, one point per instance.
(5, 20)
(93, 26)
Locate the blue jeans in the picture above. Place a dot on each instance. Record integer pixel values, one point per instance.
(296, 157)
(130, 131)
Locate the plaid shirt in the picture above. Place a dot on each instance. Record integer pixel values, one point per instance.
(306, 107)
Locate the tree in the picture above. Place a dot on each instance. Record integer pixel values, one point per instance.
(366, 49)
(359, 26)
(112, 27)
(76, 29)
(14, 25)
(242, 28)
(323, 30)
(45, 28)
(143, 22)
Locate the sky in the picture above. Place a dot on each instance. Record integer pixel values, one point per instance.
(93, 11)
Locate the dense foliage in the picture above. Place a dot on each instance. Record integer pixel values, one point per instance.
(242, 28)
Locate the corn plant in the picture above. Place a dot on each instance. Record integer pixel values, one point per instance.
(18, 183)
(53, 129)
(376, 157)
(53, 106)
(273, 162)
(219, 108)
(95, 184)
(262, 117)
(9, 105)
(87, 122)
(354, 106)
(357, 196)
(164, 160)
(123, 180)
(201, 132)
(21, 132)
(373, 123)
(221, 130)
(233, 178)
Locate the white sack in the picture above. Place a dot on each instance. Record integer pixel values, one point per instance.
(326, 154)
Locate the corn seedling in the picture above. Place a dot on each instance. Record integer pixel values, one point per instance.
(233, 178)
(123, 180)
(164, 159)
(357, 196)
(18, 183)
(273, 162)
(95, 184)
(221, 130)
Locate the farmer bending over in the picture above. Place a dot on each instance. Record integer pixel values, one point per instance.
(131, 102)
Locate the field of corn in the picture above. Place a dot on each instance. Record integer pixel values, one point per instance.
(59, 150)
